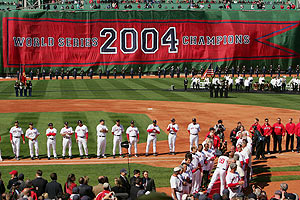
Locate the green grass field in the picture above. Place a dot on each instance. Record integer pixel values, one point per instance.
(91, 119)
(133, 89)
(141, 89)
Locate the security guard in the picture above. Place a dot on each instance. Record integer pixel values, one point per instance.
(29, 87)
(185, 83)
(16, 86)
(75, 73)
(81, 73)
(62, 73)
(140, 72)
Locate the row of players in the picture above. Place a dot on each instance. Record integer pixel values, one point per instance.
(81, 136)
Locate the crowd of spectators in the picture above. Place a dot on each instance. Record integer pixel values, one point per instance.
(39, 188)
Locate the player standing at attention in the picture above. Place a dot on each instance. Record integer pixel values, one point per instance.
(194, 129)
(81, 136)
(66, 132)
(290, 131)
(51, 140)
(101, 139)
(173, 129)
(32, 134)
(16, 133)
(133, 137)
(279, 131)
(152, 130)
(117, 131)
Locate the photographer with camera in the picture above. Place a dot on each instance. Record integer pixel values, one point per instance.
(233, 133)
(220, 128)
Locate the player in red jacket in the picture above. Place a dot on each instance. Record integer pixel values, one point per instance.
(290, 131)
(256, 123)
(267, 131)
(297, 133)
(278, 129)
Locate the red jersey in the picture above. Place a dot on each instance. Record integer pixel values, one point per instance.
(216, 140)
(278, 129)
(102, 194)
(297, 130)
(267, 129)
(258, 127)
(290, 128)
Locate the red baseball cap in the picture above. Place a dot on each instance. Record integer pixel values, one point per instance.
(13, 172)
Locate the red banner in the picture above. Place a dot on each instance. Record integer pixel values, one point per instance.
(63, 42)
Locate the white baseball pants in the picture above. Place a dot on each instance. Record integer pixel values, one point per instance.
(67, 142)
(33, 144)
(51, 144)
(16, 146)
(196, 182)
(82, 143)
(132, 141)
(149, 140)
(219, 173)
(172, 140)
(194, 139)
(178, 195)
(101, 146)
(117, 141)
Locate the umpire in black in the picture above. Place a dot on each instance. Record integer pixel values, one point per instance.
(259, 142)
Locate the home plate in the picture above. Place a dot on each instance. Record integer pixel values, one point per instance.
(150, 108)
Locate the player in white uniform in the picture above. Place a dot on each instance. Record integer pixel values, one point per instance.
(220, 172)
(194, 129)
(187, 178)
(81, 136)
(101, 139)
(152, 130)
(66, 132)
(117, 131)
(172, 129)
(16, 133)
(176, 184)
(51, 140)
(233, 181)
(32, 134)
(133, 137)
(196, 172)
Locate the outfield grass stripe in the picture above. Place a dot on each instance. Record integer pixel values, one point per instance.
(68, 85)
(97, 85)
(133, 84)
(156, 92)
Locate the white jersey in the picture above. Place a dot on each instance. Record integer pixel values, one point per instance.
(171, 128)
(215, 81)
(68, 131)
(194, 129)
(16, 131)
(153, 130)
(52, 131)
(195, 161)
(32, 133)
(81, 131)
(232, 178)
(261, 80)
(117, 130)
(246, 83)
(132, 131)
(176, 183)
(278, 82)
(223, 162)
(100, 129)
(208, 155)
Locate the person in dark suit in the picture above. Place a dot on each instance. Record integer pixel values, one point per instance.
(53, 188)
(124, 181)
(136, 174)
(39, 183)
(2, 187)
(148, 183)
(137, 189)
(14, 178)
(85, 189)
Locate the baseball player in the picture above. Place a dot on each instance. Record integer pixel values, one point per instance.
(15, 133)
(67, 132)
(81, 136)
(101, 139)
(220, 172)
(194, 129)
(173, 129)
(32, 134)
(117, 131)
(133, 137)
(51, 140)
(152, 130)
(196, 171)
(233, 181)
